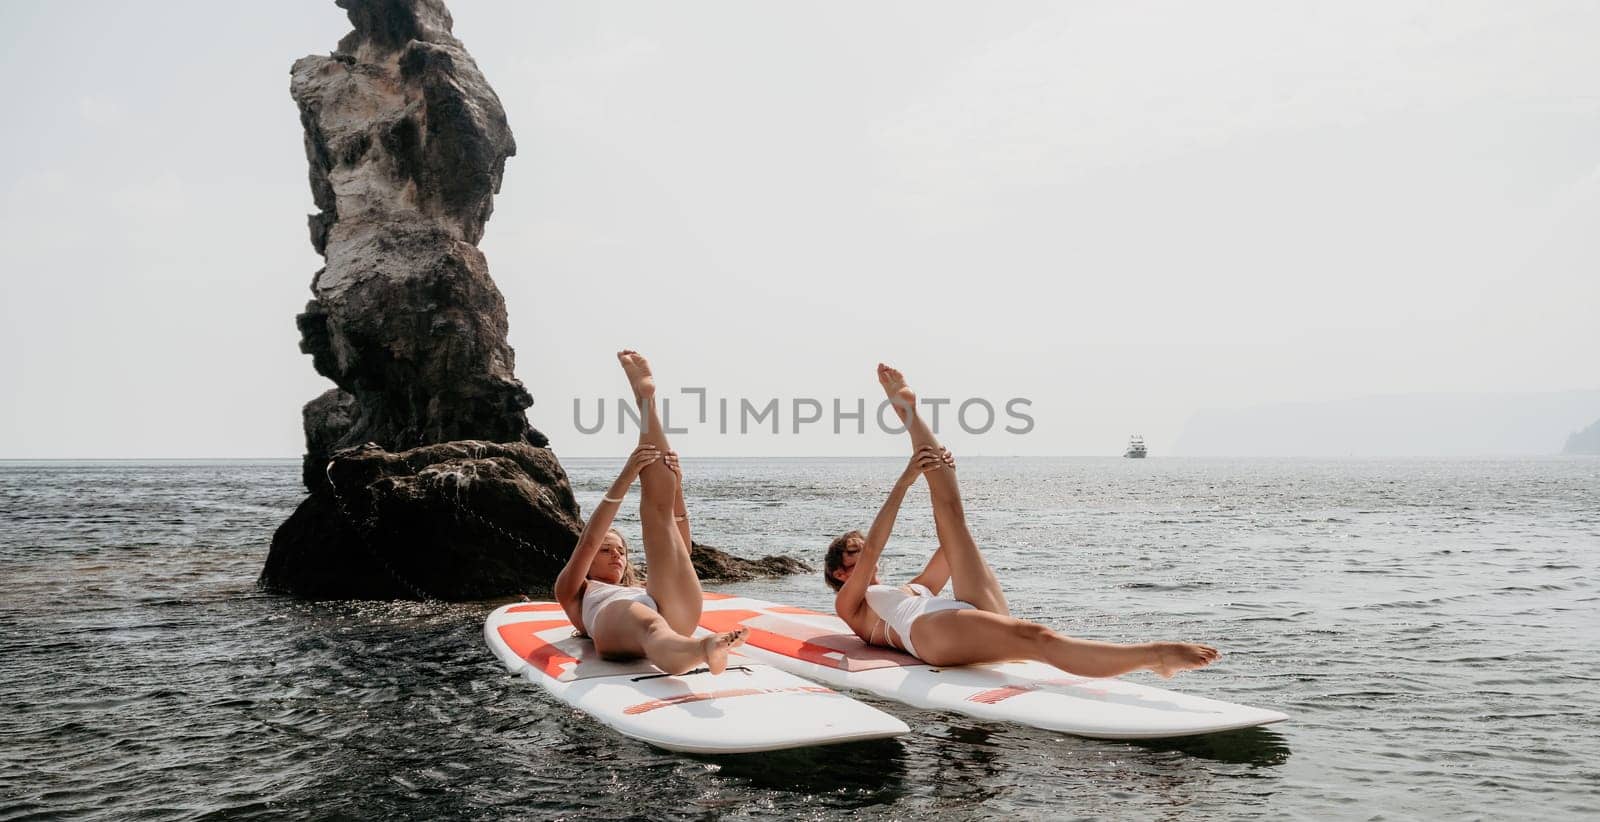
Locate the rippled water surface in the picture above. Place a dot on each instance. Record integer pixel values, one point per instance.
(1431, 627)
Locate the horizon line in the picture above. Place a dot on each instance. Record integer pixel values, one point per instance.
(1483, 455)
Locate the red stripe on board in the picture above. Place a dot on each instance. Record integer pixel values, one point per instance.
(713, 595)
(796, 648)
(645, 707)
(721, 621)
(1078, 684)
(789, 646)
(994, 695)
(534, 606)
(524, 641)
(790, 609)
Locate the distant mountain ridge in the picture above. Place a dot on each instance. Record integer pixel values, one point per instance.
(1586, 441)
(1400, 425)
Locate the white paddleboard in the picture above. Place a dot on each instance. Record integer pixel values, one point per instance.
(760, 708)
(822, 647)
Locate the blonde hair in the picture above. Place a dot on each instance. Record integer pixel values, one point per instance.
(630, 576)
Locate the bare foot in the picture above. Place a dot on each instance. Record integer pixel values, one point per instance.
(1172, 657)
(639, 376)
(717, 647)
(901, 396)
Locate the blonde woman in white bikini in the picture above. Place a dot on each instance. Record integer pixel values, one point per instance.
(598, 587)
(975, 625)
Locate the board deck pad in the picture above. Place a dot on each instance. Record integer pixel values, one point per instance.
(750, 707)
(822, 647)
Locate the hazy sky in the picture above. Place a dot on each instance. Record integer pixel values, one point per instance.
(1124, 212)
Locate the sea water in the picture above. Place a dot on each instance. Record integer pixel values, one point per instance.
(1429, 625)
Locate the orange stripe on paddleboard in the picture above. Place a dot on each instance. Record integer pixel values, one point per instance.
(524, 641)
(720, 621)
(995, 695)
(1078, 685)
(534, 606)
(713, 595)
(645, 707)
(789, 646)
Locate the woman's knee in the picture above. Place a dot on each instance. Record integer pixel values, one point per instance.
(1031, 633)
(654, 628)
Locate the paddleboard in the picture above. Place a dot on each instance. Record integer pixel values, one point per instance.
(822, 647)
(750, 707)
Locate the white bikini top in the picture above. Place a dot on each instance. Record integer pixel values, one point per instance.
(917, 588)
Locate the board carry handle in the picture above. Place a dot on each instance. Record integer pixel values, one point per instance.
(744, 668)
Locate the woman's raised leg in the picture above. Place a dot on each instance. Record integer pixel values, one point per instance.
(671, 573)
(971, 580)
(973, 637)
(635, 631)
(671, 581)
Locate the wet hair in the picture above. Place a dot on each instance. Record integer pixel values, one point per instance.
(630, 576)
(835, 558)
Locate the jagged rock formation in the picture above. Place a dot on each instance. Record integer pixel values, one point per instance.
(458, 520)
(425, 477)
(406, 144)
(711, 564)
(1586, 441)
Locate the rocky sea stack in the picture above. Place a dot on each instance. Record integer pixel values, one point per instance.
(425, 478)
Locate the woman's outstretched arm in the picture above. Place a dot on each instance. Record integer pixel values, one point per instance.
(570, 582)
(853, 596)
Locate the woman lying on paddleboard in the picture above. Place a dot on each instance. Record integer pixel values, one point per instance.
(598, 588)
(976, 625)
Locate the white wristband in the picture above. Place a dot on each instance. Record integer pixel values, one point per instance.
(604, 498)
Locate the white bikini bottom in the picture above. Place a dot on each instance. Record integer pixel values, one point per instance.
(899, 609)
(597, 595)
